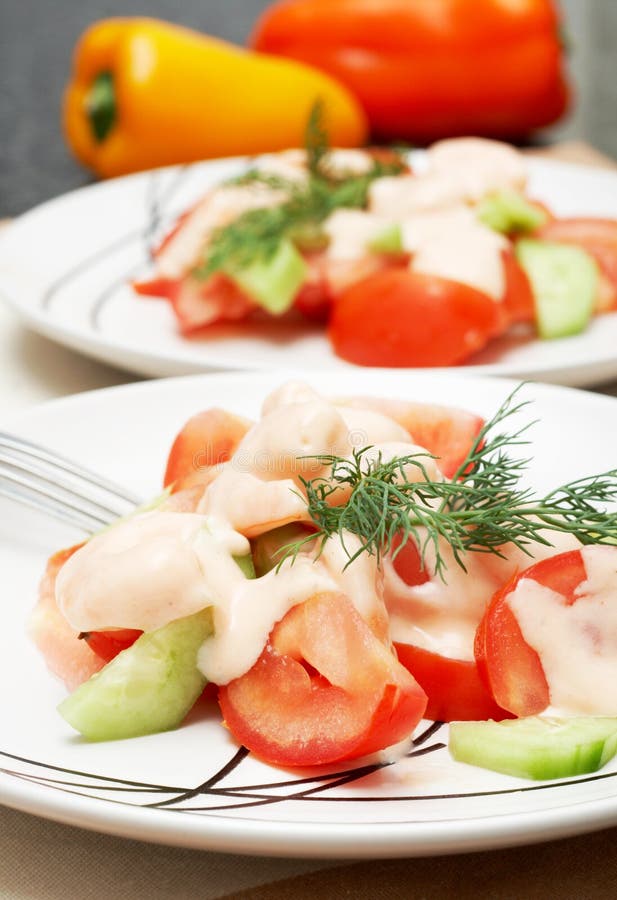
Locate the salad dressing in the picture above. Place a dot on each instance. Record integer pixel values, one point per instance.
(185, 248)
(149, 570)
(577, 643)
(479, 166)
(442, 616)
(453, 244)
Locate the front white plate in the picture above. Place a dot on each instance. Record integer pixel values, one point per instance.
(192, 786)
(65, 268)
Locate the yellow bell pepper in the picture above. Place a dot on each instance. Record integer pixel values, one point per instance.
(146, 93)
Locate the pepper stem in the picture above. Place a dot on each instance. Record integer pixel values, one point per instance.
(100, 105)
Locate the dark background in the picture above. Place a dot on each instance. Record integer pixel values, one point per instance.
(37, 37)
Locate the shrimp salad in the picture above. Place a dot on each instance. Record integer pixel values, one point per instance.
(257, 581)
(405, 264)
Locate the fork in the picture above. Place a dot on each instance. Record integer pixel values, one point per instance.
(44, 480)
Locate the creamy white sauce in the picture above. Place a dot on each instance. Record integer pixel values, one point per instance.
(479, 166)
(350, 232)
(397, 197)
(576, 643)
(453, 244)
(361, 580)
(349, 162)
(442, 616)
(244, 617)
(148, 571)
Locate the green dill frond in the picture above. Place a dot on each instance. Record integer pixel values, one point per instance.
(257, 233)
(316, 139)
(482, 509)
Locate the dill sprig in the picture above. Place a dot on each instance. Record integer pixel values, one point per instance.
(316, 141)
(256, 234)
(481, 509)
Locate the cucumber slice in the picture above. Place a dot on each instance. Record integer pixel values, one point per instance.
(266, 547)
(246, 565)
(147, 688)
(274, 282)
(150, 686)
(564, 280)
(510, 212)
(536, 747)
(390, 240)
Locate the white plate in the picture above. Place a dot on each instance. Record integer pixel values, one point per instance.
(190, 786)
(65, 267)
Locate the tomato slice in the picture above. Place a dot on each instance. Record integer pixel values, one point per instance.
(208, 439)
(399, 317)
(407, 562)
(325, 689)
(510, 668)
(314, 299)
(107, 644)
(454, 688)
(518, 300)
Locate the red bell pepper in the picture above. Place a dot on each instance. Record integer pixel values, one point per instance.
(427, 70)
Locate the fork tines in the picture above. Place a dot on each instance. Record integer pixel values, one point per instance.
(47, 481)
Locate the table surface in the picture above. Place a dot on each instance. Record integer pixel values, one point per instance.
(47, 860)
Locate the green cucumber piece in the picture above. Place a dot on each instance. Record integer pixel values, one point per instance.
(536, 747)
(147, 688)
(510, 213)
(390, 240)
(273, 282)
(150, 686)
(564, 280)
(246, 565)
(266, 547)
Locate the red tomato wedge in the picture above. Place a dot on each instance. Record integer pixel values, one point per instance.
(207, 439)
(404, 318)
(510, 668)
(407, 563)
(324, 689)
(198, 304)
(519, 303)
(107, 644)
(455, 690)
(445, 431)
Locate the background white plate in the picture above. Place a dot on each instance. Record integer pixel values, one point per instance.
(65, 267)
(182, 787)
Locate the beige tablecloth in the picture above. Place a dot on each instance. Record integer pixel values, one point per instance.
(42, 860)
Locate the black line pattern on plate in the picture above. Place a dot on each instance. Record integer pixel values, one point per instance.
(155, 209)
(214, 796)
